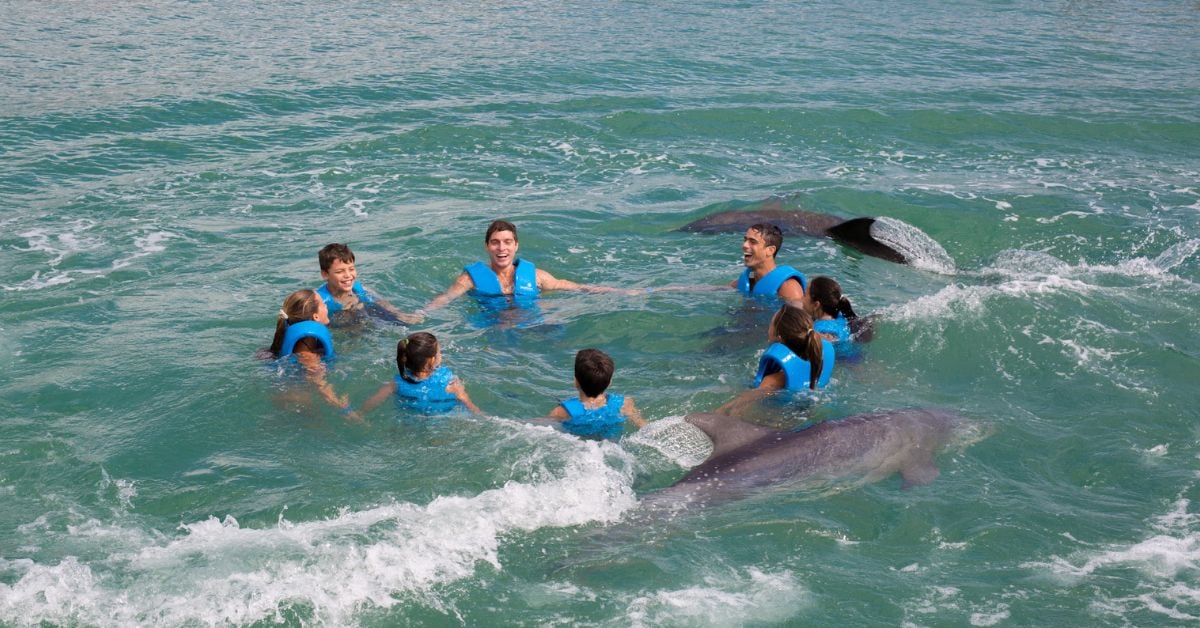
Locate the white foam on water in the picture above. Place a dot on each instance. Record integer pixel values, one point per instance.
(126, 490)
(147, 244)
(726, 599)
(1034, 273)
(1169, 562)
(216, 571)
(990, 618)
(357, 206)
(74, 240)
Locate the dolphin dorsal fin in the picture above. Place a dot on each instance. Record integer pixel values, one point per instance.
(726, 432)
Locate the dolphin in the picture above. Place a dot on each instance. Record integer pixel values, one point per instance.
(780, 211)
(869, 447)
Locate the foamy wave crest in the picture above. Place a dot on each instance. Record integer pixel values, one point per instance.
(1169, 560)
(1032, 274)
(321, 571)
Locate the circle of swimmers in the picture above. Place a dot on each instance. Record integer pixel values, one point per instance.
(811, 327)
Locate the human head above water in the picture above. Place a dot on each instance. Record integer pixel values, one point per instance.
(413, 354)
(299, 306)
(793, 327)
(593, 371)
(334, 252)
(770, 234)
(500, 225)
(826, 296)
(302, 305)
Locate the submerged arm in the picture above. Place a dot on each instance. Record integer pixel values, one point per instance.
(457, 388)
(385, 391)
(632, 413)
(314, 372)
(385, 305)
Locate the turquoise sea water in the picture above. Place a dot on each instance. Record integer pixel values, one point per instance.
(168, 171)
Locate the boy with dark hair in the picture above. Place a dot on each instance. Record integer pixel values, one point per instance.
(342, 291)
(595, 413)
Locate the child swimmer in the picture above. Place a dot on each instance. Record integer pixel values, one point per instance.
(423, 384)
(595, 413)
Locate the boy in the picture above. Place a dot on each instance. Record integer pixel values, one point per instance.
(342, 291)
(596, 413)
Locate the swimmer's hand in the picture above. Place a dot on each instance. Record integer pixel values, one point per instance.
(410, 319)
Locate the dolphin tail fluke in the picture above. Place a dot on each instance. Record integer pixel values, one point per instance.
(919, 473)
(856, 233)
(726, 432)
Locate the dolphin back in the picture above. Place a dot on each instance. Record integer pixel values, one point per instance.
(783, 212)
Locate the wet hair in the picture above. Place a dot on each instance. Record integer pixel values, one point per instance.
(299, 306)
(594, 371)
(827, 294)
(414, 353)
(334, 252)
(500, 225)
(771, 235)
(795, 329)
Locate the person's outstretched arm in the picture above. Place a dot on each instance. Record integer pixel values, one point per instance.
(400, 315)
(460, 287)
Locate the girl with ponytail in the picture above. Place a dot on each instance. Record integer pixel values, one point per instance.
(301, 334)
(422, 383)
(833, 316)
(811, 357)
(798, 358)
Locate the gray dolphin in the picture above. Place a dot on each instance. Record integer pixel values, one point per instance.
(780, 211)
(869, 447)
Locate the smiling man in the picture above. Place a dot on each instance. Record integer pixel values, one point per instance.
(762, 276)
(505, 274)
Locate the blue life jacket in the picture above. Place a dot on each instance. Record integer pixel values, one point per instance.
(840, 328)
(604, 422)
(307, 329)
(796, 369)
(487, 284)
(429, 395)
(769, 285)
(334, 305)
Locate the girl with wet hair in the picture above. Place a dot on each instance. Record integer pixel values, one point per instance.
(300, 306)
(422, 383)
(792, 328)
(798, 358)
(834, 317)
(302, 335)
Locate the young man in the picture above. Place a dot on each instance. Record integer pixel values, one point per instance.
(505, 274)
(762, 276)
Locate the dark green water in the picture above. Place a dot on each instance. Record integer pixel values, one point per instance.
(168, 172)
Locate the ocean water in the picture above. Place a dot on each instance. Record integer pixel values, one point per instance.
(168, 171)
